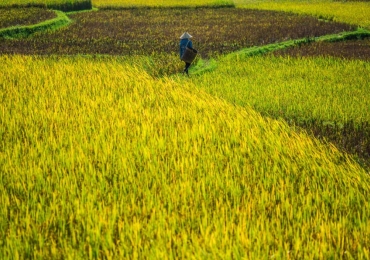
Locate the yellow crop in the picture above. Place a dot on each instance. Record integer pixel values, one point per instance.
(100, 160)
(321, 88)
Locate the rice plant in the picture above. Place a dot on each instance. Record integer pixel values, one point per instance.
(326, 95)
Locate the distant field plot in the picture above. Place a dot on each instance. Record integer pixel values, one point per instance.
(351, 49)
(64, 5)
(150, 31)
(159, 3)
(23, 16)
(357, 13)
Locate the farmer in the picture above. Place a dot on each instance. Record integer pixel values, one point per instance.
(185, 42)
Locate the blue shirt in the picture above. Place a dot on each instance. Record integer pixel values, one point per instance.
(183, 44)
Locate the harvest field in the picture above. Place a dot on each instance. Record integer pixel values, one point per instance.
(108, 152)
(287, 88)
(102, 160)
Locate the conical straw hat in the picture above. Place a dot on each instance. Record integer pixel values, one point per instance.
(185, 35)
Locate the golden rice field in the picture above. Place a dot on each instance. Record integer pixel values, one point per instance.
(290, 86)
(100, 160)
(327, 96)
(120, 157)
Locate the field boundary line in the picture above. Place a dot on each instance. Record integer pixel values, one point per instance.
(23, 31)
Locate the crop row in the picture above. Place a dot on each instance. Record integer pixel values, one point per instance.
(25, 16)
(150, 31)
(63, 5)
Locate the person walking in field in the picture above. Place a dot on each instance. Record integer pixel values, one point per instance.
(186, 55)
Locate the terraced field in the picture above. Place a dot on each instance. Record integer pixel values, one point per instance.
(155, 31)
(16, 17)
(107, 151)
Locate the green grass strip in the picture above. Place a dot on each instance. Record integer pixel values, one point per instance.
(24, 31)
(358, 34)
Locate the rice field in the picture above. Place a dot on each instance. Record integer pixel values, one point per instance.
(120, 156)
(100, 160)
(328, 96)
(295, 84)
(143, 31)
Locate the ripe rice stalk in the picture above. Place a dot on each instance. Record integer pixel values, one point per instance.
(100, 159)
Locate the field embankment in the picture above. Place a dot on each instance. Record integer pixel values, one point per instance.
(99, 159)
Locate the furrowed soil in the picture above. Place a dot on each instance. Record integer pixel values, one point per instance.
(153, 31)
